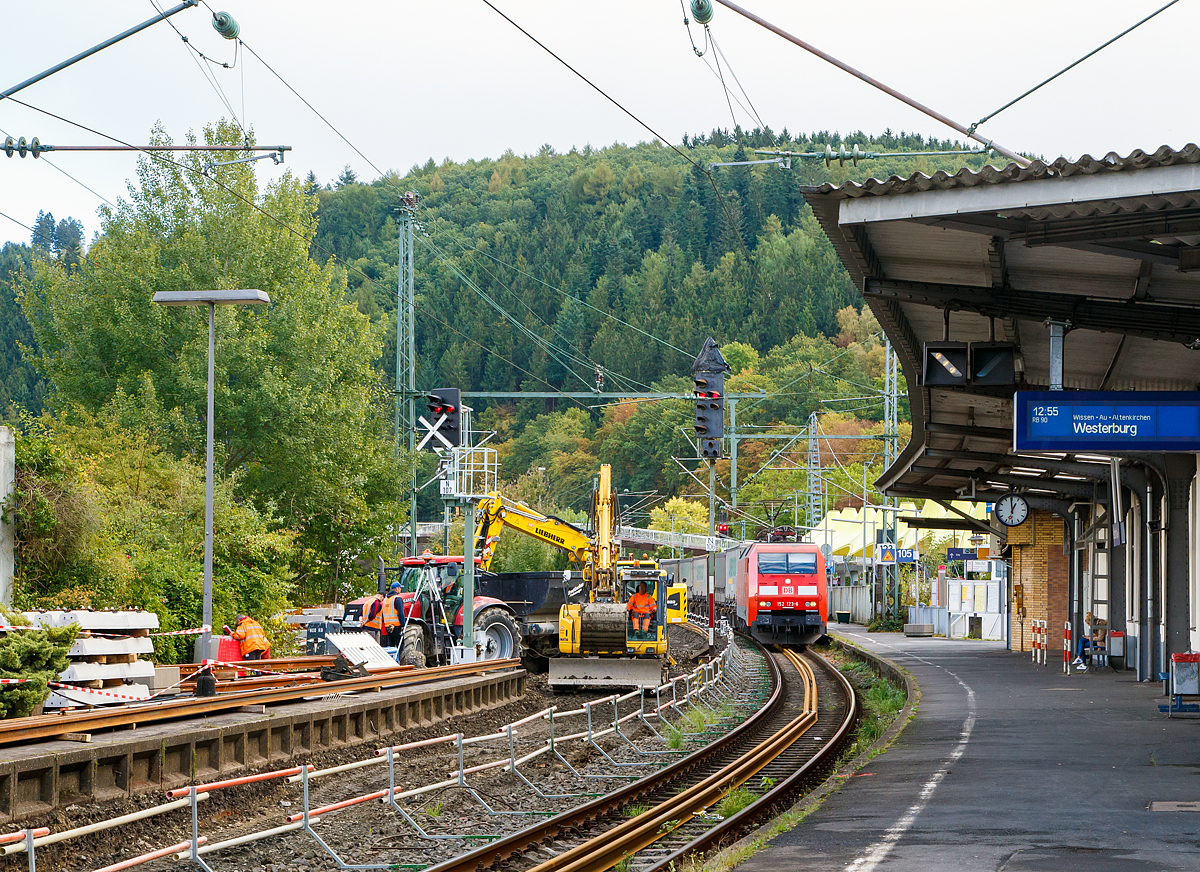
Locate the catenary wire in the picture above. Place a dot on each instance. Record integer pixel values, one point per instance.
(539, 341)
(724, 87)
(573, 352)
(720, 197)
(738, 82)
(384, 177)
(1072, 65)
(204, 71)
(349, 267)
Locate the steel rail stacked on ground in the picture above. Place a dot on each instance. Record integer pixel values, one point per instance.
(45, 726)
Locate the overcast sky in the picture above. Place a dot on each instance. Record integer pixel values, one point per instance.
(406, 81)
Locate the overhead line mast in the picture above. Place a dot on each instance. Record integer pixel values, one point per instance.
(406, 352)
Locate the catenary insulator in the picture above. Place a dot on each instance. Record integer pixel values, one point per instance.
(226, 25)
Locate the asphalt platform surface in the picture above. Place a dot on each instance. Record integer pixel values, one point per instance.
(1010, 766)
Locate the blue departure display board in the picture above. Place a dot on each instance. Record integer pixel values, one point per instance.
(1106, 421)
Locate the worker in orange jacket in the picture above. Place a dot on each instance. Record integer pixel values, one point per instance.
(642, 606)
(373, 615)
(393, 616)
(250, 636)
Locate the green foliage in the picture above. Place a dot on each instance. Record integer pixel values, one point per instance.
(106, 519)
(681, 516)
(39, 656)
(735, 801)
(674, 738)
(881, 702)
(579, 245)
(21, 387)
(302, 416)
(885, 624)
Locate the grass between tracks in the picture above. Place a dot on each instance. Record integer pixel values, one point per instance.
(881, 702)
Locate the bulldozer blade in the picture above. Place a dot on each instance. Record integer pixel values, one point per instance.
(568, 672)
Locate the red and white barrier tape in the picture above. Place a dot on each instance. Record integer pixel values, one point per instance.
(195, 631)
(76, 689)
(161, 691)
(245, 664)
(14, 680)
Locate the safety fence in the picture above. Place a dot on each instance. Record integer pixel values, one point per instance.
(660, 710)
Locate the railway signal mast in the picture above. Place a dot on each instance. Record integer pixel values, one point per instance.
(708, 372)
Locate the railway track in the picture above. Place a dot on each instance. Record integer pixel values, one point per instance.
(772, 756)
(24, 730)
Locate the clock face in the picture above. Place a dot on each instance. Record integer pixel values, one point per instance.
(1012, 510)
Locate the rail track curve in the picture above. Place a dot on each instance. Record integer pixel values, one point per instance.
(771, 744)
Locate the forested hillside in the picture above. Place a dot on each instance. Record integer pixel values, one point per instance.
(572, 245)
(600, 267)
(551, 271)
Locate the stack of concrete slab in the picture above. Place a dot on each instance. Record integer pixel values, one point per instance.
(334, 612)
(107, 666)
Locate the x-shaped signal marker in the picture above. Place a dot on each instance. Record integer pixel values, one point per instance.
(434, 432)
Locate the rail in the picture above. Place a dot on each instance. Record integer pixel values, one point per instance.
(580, 816)
(47, 726)
(780, 796)
(626, 839)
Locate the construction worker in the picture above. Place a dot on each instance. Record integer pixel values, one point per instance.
(393, 616)
(373, 617)
(642, 606)
(251, 638)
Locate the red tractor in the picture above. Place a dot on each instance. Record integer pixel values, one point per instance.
(432, 596)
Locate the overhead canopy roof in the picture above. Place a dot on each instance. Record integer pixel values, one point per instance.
(1111, 246)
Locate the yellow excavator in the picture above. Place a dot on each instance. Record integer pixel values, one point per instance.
(598, 643)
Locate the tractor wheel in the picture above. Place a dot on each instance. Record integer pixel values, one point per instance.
(501, 635)
(412, 646)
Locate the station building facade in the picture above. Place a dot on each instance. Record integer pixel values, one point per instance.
(1016, 290)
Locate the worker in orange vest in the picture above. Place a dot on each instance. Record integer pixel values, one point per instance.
(642, 606)
(251, 638)
(393, 615)
(373, 612)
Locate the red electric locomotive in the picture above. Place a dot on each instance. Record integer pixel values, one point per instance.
(780, 593)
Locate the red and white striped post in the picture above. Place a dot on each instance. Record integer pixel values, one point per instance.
(1033, 640)
(1066, 647)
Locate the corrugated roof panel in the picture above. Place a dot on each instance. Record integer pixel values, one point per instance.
(989, 175)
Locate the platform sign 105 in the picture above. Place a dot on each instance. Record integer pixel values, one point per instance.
(1106, 421)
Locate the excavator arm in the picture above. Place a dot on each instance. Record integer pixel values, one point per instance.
(496, 511)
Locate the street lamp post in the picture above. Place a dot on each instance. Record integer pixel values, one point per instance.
(206, 684)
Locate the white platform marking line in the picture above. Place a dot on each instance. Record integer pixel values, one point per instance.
(879, 851)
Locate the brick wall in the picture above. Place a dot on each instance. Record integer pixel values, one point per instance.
(1043, 571)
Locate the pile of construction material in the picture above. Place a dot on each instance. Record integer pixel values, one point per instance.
(107, 665)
